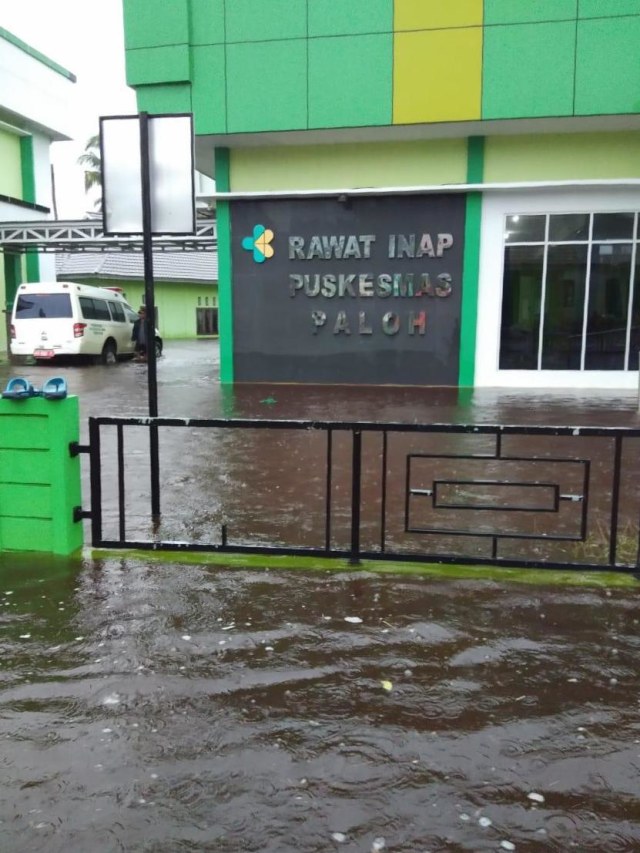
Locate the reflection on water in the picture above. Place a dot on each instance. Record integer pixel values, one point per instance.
(181, 708)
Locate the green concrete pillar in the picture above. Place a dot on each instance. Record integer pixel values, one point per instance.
(39, 480)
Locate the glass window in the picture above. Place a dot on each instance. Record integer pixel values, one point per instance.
(94, 309)
(613, 226)
(568, 227)
(43, 305)
(206, 321)
(584, 283)
(521, 291)
(524, 229)
(86, 306)
(606, 338)
(564, 307)
(117, 312)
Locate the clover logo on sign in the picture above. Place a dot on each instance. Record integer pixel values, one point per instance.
(259, 243)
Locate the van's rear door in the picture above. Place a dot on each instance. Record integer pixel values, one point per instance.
(43, 322)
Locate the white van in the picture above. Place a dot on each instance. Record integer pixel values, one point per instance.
(62, 318)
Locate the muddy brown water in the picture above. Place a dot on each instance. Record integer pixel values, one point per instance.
(150, 705)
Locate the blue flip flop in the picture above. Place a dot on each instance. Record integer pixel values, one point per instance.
(54, 388)
(19, 389)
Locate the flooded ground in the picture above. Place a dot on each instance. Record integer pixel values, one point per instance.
(160, 707)
(156, 706)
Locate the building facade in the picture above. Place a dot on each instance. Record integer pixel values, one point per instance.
(36, 109)
(412, 191)
(185, 286)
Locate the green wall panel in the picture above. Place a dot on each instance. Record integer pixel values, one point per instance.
(608, 66)
(225, 268)
(561, 157)
(528, 70)
(363, 164)
(350, 81)
(24, 466)
(21, 429)
(528, 11)
(209, 92)
(158, 65)
(25, 499)
(11, 180)
(207, 21)
(149, 22)
(266, 86)
(38, 497)
(262, 20)
(328, 18)
(608, 8)
(27, 167)
(170, 98)
(15, 533)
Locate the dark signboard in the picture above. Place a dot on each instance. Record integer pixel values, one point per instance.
(363, 290)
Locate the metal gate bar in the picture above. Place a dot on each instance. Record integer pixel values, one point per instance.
(354, 552)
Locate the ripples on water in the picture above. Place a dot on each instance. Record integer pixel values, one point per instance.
(183, 708)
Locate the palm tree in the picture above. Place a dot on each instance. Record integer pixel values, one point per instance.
(93, 166)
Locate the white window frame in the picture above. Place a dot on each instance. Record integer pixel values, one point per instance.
(496, 206)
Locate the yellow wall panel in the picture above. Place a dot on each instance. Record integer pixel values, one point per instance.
(435, 14)
(554, 157)
(384, 164)
(10, 165)
(437, 76)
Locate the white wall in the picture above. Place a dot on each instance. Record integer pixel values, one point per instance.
(497, 205)
(35, 93)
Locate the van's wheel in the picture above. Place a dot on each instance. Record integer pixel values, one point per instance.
(158, 344)
(109, 353)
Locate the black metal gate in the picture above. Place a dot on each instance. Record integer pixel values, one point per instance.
(529, 496)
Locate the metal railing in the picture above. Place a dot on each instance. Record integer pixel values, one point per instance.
(529, 496)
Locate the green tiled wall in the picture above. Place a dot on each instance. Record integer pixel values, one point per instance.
(149, 64)
(528, 70)
(265, 20)
(148, 23)
(266, 85)
(350, 80)
(209, 99)
(169, 98)
(529, 11)
(207, 22)
(328, 18)
(608, 66)
(270, 65)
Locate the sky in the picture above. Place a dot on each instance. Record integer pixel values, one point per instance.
(85, 37)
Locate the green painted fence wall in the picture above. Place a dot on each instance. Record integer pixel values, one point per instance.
(269, 65)
(39, 480)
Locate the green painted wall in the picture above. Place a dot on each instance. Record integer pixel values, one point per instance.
(10, 165)
(269, 65)
(176, 303)
(346, 165)
(225, 269)
(39, 481)
(29, 194)
(551, 157)
(471, 264)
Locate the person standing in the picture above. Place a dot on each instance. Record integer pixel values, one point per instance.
(139, 335)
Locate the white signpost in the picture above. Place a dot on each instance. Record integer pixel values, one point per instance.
(148, 189)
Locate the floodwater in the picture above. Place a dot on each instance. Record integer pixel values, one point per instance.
(149, 705)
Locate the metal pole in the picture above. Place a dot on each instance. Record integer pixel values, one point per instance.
(356, 481)
(150, 322)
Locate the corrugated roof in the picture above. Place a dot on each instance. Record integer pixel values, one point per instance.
(167, 266)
